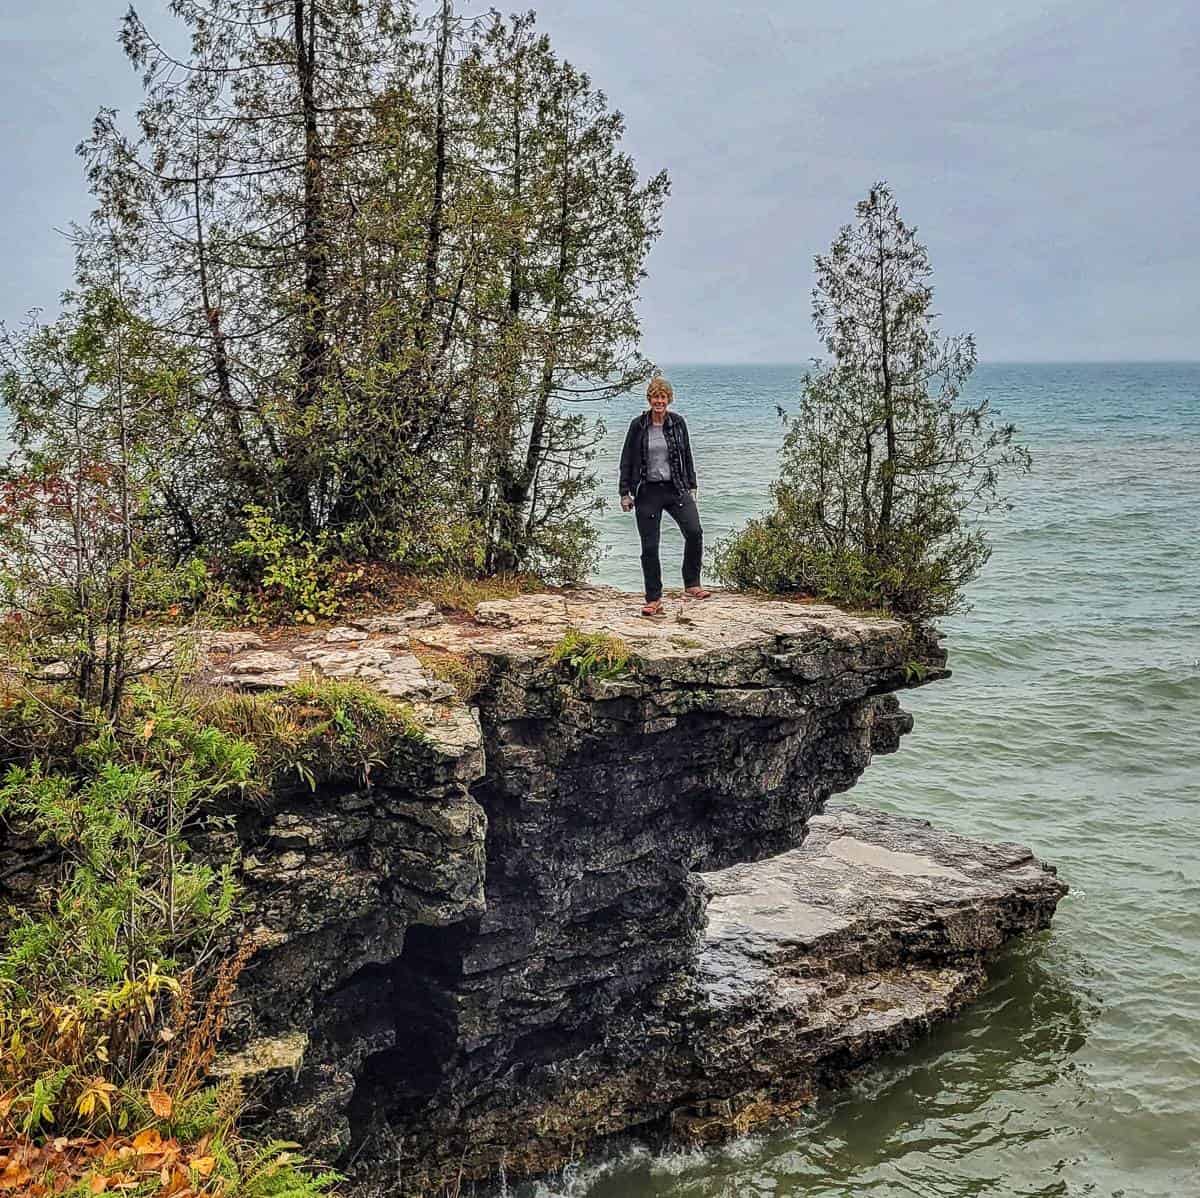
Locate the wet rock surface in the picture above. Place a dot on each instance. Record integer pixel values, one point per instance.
(811, 964)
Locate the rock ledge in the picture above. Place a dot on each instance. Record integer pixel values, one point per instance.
(585, 907)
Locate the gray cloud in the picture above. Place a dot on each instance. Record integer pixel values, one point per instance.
(1046, 150)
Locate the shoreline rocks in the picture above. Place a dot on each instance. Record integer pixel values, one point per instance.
(812, 964)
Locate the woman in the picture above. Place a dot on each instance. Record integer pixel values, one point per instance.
(657, 476)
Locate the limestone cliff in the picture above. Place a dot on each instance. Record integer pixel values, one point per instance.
(580, 906)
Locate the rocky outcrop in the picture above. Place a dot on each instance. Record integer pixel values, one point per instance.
(582, 902)
(337, 881)
(811, 964)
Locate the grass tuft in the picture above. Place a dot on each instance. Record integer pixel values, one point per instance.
(385, 589)
(315, 730)
(466, 672)
(592, 654)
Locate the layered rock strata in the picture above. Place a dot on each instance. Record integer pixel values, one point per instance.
(577, 904)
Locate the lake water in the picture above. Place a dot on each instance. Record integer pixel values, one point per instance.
(1071, 725)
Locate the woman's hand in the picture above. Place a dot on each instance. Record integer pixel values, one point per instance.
(627, 503)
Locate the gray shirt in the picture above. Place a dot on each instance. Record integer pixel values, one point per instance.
(658, 465)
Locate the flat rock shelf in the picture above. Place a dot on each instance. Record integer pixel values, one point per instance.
(817, 960)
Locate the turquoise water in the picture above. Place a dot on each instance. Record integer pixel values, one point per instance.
(1071, 725)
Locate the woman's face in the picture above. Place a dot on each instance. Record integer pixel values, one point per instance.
(658, 401)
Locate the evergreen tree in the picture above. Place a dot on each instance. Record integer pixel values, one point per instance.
(100, 399)
(885, 469)
(403, 247)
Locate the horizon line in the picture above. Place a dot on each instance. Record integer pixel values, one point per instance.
(982, 362)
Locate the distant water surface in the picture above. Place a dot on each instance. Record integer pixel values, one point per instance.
(1071, 725)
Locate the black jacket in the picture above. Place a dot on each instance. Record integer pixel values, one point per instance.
(636, 451)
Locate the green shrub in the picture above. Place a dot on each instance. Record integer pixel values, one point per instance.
(885, 470)
(89, 967)
(93, 967)
(113, 985)
(293, 574)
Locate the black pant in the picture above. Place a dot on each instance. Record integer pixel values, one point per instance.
(653, 499)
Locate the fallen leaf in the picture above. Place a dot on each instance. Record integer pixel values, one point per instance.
(179, 1183)
(160, 1103)
(147, 1141)
(203, 1165)
(98, 1183)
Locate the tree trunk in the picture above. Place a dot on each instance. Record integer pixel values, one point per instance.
(315, 256)
(501, 551)
(115, 648)
(537, 431)
(212, 315)
(433, 239)
(888, 470)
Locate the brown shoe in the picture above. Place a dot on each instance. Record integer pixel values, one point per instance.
(697, 593)
(653, 609)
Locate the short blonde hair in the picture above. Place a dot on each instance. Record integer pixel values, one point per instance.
(659, 385)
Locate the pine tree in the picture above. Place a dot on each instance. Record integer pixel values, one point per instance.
(404, 248)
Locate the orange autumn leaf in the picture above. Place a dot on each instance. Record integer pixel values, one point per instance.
(98, 1183)
(147, 1141)
(204, 1165)
(179, 1182)
(160, 1103)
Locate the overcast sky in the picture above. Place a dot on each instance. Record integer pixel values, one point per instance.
(1049, 153)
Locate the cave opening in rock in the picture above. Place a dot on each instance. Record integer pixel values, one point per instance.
(401, 1079)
